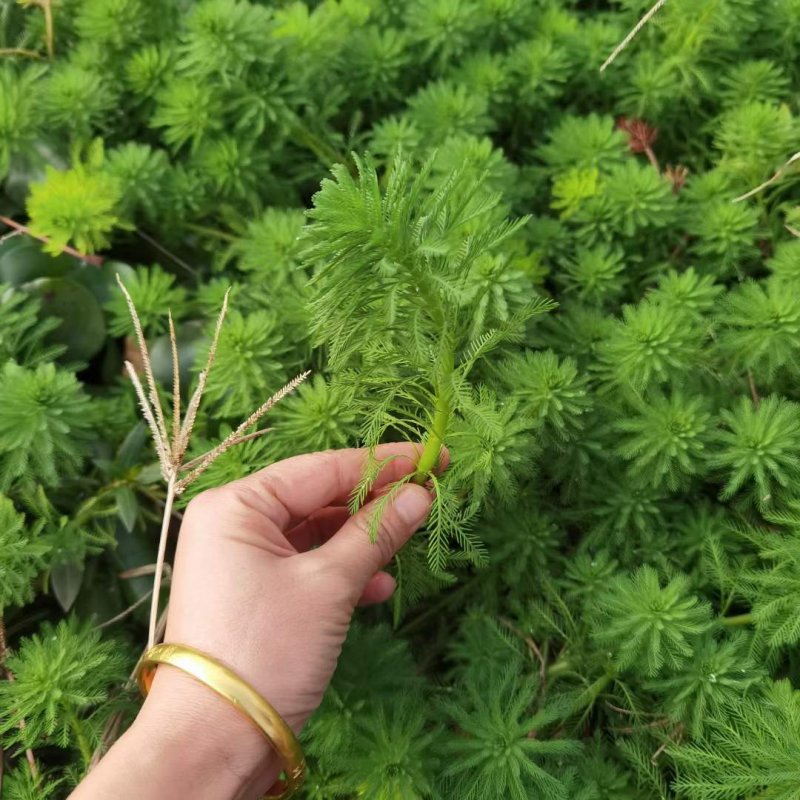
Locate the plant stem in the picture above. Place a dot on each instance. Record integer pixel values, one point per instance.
(83, 513)
(739, 619)
(627, 40)
(651, 157)
(96, 261)
(80, 736)
(589, 695)
(206, 231)
(558, 667)
(326, 154)
(435, 609)
(162, 549)
(168, 253)
(19, 51)
(49, 36)
(434, 441)
(435, 438)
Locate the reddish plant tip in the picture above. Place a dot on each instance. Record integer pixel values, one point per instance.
(677, 176)
(641, 136)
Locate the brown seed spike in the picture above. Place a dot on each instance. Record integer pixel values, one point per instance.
(148, 367)
(238, 435)
(176, 388)
(171, 454)
(194, 402)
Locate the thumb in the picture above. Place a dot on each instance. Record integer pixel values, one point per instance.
(351, 547)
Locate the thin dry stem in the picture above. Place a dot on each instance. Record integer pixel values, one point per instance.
(162, 550)
(148, 367)
(674, 735)
(532, 647)
(753, 390)
(49, 35)
(655, 724)
(11, 235)
(624, 711)
(634, 31)
(96, 261)
(129, 610)
(233, 438)
(19, 51)
(168, 253)
(651, 157)
(48, 24)
(777, 176)
(792, 230)
(140, 572)
(176, 386)
(47, 10)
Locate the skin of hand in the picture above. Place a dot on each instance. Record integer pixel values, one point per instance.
(267, 574)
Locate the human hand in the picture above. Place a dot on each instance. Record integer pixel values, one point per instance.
(267, 574)
(270, 568)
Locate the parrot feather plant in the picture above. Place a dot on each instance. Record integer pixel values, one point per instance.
(410, 300)
(171, 446)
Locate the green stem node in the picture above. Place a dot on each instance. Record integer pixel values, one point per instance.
(429, 460)
(80, 738)
(739, 619)
(442, 409)
(558, 667)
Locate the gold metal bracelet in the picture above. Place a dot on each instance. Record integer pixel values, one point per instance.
(243, 697)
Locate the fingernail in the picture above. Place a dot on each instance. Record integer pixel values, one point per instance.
(412, 505)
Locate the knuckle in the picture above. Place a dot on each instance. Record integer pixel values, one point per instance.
(264, 494)
(244, 494)
(232, 500)
(205, 502)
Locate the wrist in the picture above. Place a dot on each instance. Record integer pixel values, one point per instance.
(210, 749)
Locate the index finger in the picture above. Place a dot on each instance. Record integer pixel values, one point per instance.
(297, 487)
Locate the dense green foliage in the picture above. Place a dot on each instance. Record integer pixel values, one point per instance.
(473, 237)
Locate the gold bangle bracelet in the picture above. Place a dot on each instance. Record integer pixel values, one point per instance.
(243, 697)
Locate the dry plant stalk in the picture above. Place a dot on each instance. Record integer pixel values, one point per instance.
(634, 31)
(19, 51)
(769, 181)
(47, 11)
(171, 446)
(18, 228)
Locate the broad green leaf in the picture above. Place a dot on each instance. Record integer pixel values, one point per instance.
(83, 328)
(66, 580)
(127, 506)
